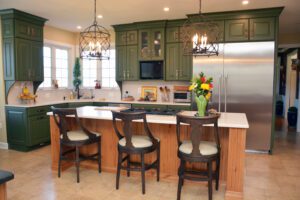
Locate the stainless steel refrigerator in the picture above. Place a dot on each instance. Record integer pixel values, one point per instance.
(243, 76)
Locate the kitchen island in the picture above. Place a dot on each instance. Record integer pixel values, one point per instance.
(233, 128)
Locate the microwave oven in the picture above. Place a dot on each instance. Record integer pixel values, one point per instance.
(152, 70)
(182, 97)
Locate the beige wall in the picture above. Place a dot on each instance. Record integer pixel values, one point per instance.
(291, 38)
(59, 35)
(2, 96)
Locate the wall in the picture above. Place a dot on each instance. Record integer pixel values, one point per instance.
(291, 38)
(3, 138)
(59, 35)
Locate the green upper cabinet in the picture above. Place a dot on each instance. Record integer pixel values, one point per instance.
(127, 63)
(126, 38)
(172, 34)
(178, 65)
(237, 30)
(262, 29)
(172, 61)
(37, 65)
(28, 31)
(151, 44)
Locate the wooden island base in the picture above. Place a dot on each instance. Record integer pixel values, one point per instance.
(232, 153)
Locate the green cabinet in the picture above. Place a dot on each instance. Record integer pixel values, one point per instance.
(127, 63)
(100, 104)
(237, 30)
(79, 104)
(149, 106)
(127, 38)
(262, 29)
(151, 44)
(179, 108)
(179, 66)
(27, 128)
(172, 34)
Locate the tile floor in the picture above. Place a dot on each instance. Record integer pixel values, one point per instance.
(267, 177)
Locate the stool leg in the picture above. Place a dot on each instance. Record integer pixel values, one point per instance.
(128, 165)
(118, 170)
(3, 191)
(209, 180)
(143, 173)
(59, 160)
(217, 173)
(158, 162)
(77, 163)
(180, 181)
(99, 155)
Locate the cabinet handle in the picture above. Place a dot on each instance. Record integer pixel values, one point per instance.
(28, 30)
(246, 33)
(176, 35)
(176, 73)
(128, 74)
(124, 74)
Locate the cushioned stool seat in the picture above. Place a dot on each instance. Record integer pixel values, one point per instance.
(5, 176)
(138, 141)
(79, 135)
(206, 148)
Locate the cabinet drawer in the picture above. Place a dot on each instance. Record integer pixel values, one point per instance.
(100, 104)
(149, 106)
(80, 104)
(28, 31)
(179, 108)
(38, 110)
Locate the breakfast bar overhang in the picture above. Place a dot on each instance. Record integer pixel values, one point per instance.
(232, 130)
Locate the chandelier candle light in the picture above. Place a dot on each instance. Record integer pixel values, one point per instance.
(202, 33)
(94, 42)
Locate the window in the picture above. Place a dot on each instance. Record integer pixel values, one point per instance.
(61, 71)
(47, 67)
(109, 71)
(56, 66)
(89, 74)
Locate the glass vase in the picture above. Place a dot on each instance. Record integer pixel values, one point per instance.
(201, 105)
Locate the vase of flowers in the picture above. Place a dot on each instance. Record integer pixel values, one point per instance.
(201, 86)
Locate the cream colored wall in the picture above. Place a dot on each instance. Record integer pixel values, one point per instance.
(3, 138)
(59, 35)
(292, 38)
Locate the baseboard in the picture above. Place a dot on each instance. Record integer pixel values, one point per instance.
(3, 145)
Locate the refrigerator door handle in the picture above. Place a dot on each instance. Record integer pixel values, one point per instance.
(225, 92)
(220, 81)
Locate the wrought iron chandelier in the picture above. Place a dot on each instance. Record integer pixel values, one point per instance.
(200, 35)
(94, 41)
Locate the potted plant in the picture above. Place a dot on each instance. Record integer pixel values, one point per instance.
(292, 116)
(201, 86)
(76, 76)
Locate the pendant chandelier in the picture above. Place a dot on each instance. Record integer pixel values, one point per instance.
(200, 35)
(94, 41)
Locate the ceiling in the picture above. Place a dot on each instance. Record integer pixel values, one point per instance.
(68, 14)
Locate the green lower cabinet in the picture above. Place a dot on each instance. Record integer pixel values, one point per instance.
(237, 30)
(149, 106)
(26, 130)
(262, 29)
(179, 108)
(79, 104)
(100, 104)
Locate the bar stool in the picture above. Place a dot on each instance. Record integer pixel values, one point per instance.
(75, 139)
(195, 150)
(130, 144)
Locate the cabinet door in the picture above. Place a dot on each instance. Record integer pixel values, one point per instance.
(262, 29)
(16, 121)
(38, 130)
(8, 59)
(121, 38)
(237, 30)
(7, 28)
(28, 31)
(145, 44)
(37, 68)
(23, 60)
(120, 63)
(172, 62)
(132, 67)
(36, 32)
(185, 65)
(172, 34)
(132, 37)
(157, 46)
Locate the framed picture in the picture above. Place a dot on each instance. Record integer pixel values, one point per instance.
(149, 93)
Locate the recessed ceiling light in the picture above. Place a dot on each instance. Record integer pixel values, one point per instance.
(100, 16)
(78, 27)
(245, 2)
(166, 9)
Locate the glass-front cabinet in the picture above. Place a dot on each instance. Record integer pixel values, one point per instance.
(151, 45)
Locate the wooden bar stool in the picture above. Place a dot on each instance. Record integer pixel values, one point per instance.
(5, 176)
(75, 139)
(135, 144)
(195, 150)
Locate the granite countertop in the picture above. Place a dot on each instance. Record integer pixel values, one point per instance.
(226, 120)
(94, 100)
